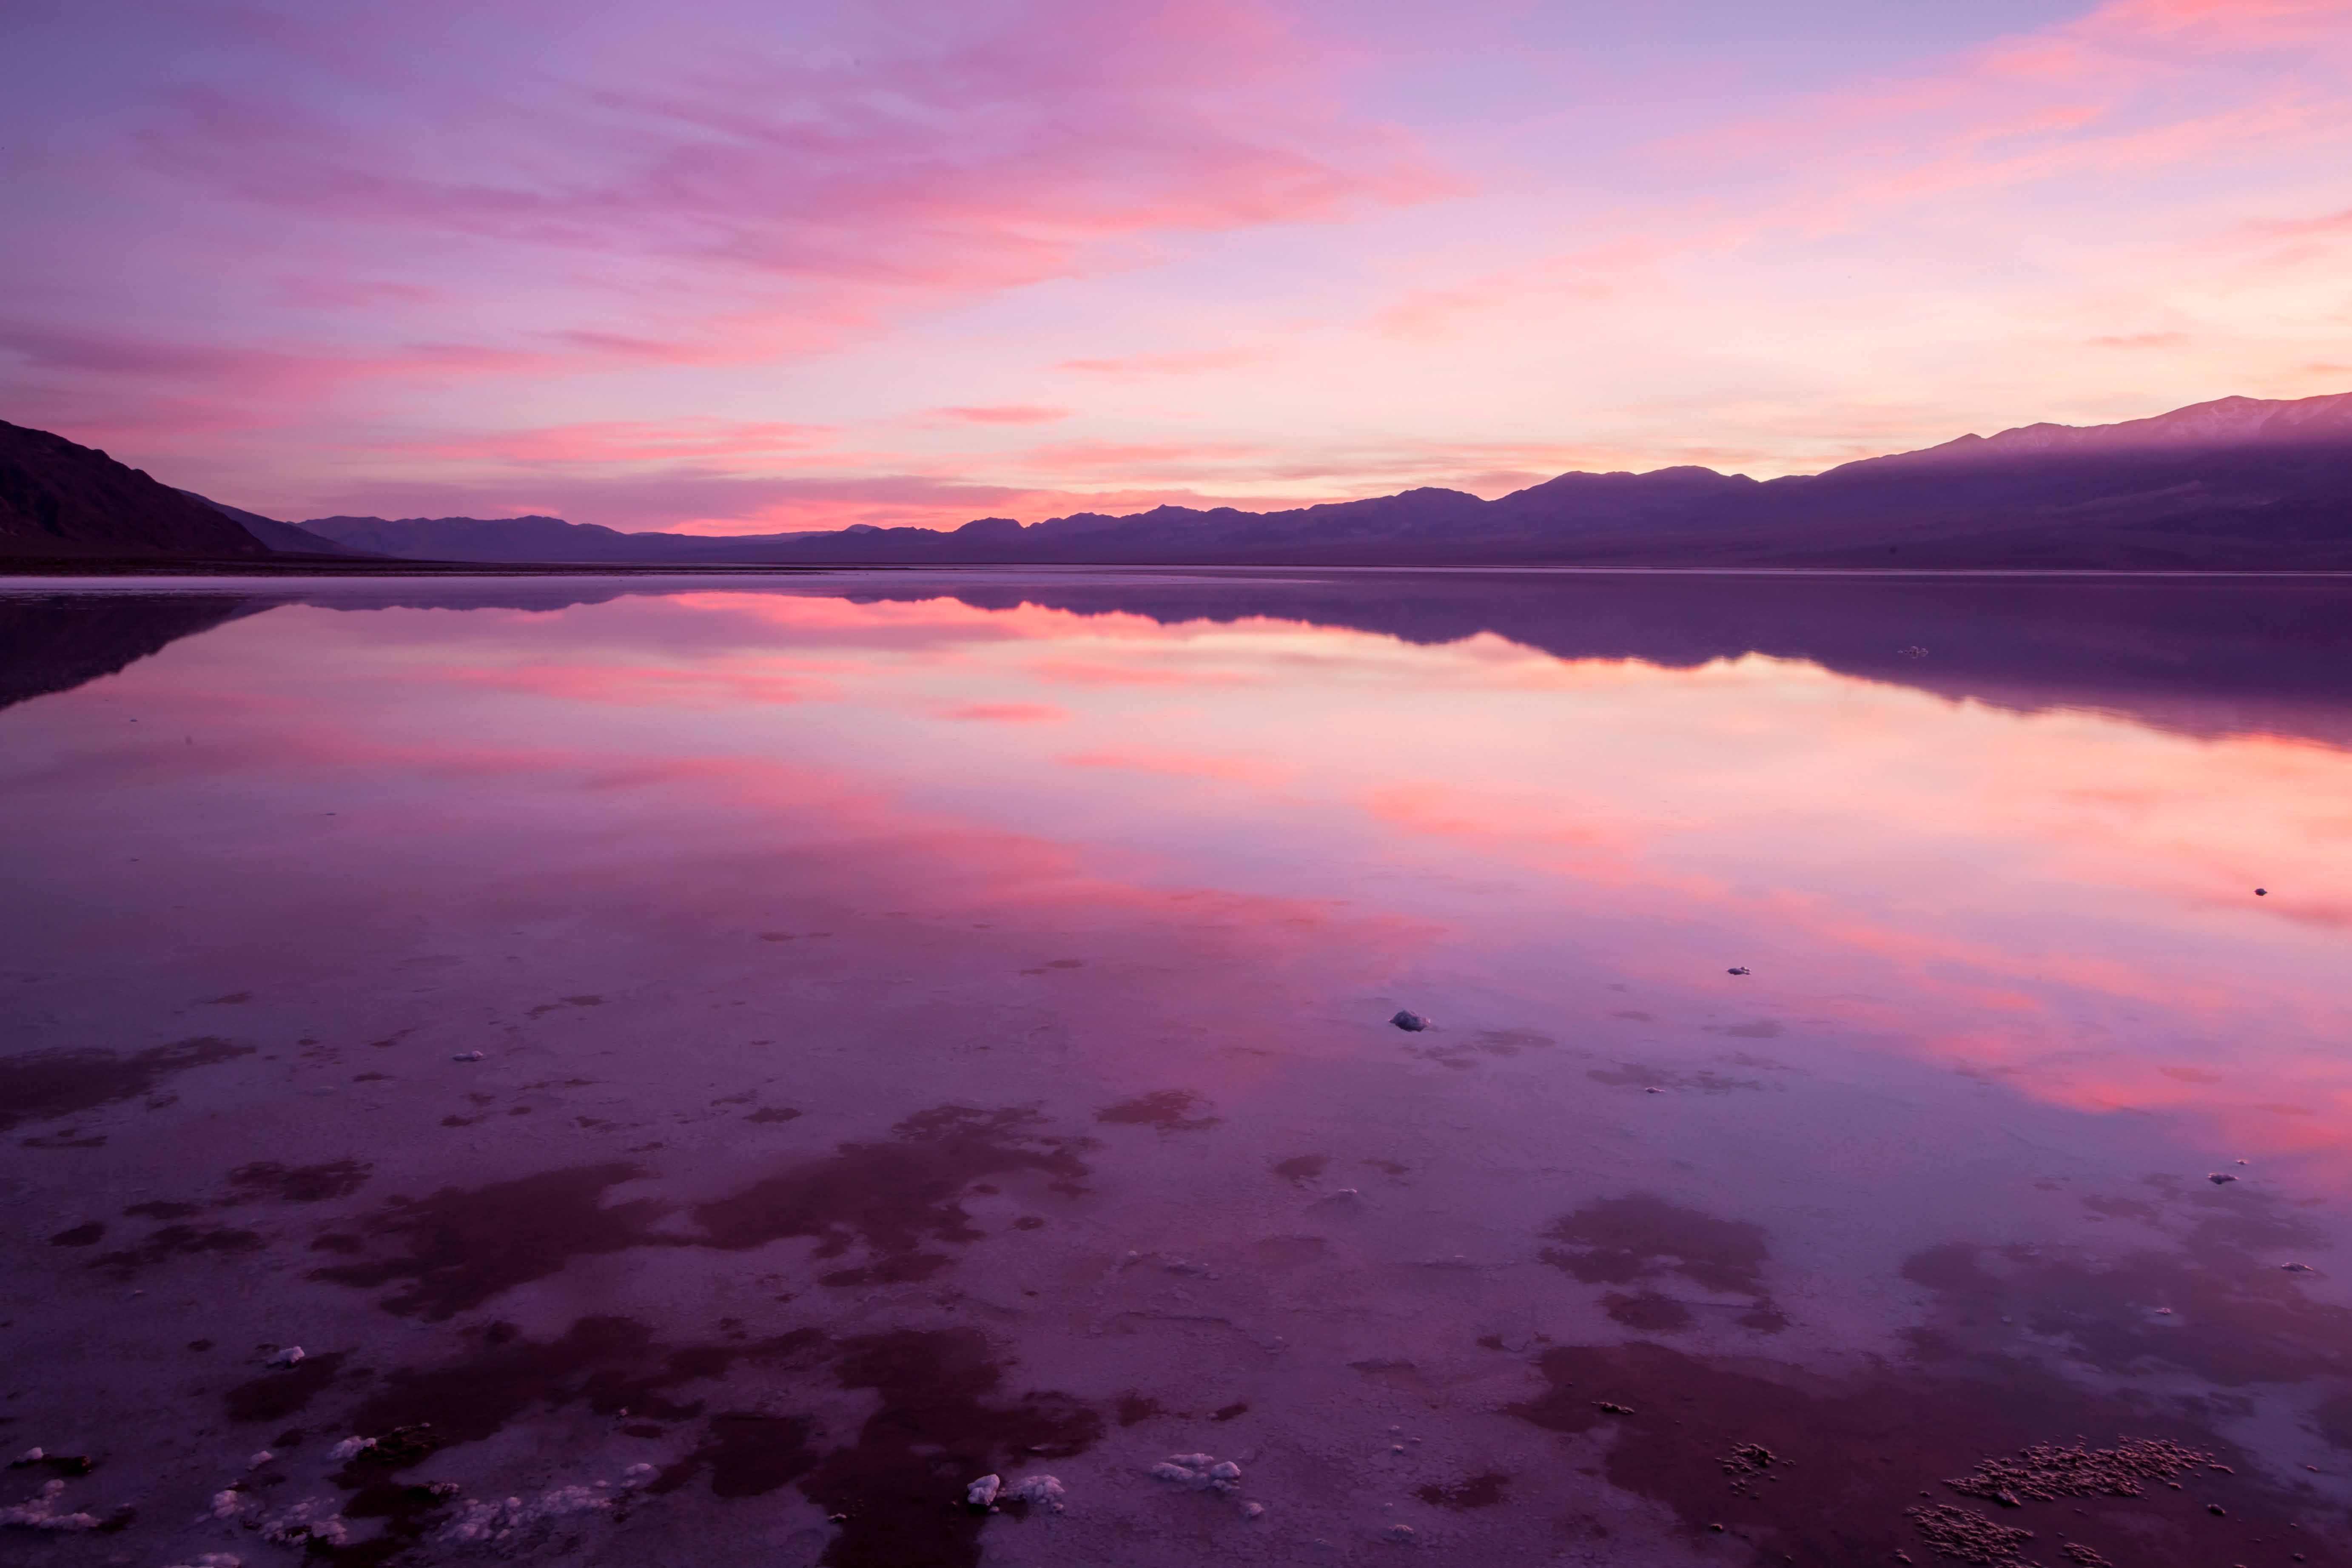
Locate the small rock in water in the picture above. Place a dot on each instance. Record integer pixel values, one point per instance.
(1653, 1091)
(1402, 1534)
(982, 1492)
(2220, 1178)
(2297, 1268)
(1737, 969)
(2262, 892)
(290, 1356)
(466, 1056)
(1411, 1023)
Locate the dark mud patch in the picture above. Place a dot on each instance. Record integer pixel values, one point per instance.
(1511, 1042)
(747, 1455)
(176, 1241)
(1641, 1075)
(1648, 1311)
(544, 1008)
(40, 1085)
(1754, 1029)
(1851, 1459)
(1134, 1409)
(278, 1395)
(893, 1197)
(1616, 1241)
(86, 1234)
(613, 1366)
(936, 1430)
(162, 1209)
(1168, 1110)
(295, 1183)
(1627, 1240)
(460, 1247)
(1302, 1167)
(773, 1113)
(1480, 1491)
(2219, 1306)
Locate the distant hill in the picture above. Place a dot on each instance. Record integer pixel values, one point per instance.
(60, 499)
(287, 537)
(2241, 483)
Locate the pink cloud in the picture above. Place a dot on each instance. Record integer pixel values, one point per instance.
(1179, 764)
(1008, 712)
(1004, 413)
(635, 441)
(1178, 363)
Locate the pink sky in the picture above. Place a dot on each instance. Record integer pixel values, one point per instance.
(748, 265)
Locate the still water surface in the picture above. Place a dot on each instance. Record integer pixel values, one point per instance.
(934, 1025)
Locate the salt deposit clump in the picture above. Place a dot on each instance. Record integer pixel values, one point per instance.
(495, 1522)
(1045, 1491)
(48, 1511)
(317, 1519)
(1038, 1491)
(1202, 1472)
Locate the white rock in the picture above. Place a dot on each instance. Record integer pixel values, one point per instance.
(291, 1355)
(1192, 1461)
(1402, 1534)
(635, 1476)
(350, 1448)
(227, 1504)
(30, 1456)
(1167, 1471)
(259, 1459)
(982, 1493)
(1040, 1491)
(1252, 1509)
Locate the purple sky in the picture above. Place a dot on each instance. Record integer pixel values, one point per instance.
(728, 266)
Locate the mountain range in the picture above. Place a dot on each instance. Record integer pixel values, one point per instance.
(2239, 483)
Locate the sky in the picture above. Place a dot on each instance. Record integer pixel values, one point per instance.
(752, 266)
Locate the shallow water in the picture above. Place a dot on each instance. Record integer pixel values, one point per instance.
(937, 1025)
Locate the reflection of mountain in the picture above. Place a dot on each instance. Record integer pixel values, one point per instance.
(56, 642)
(2217, 656)
(2211, 658)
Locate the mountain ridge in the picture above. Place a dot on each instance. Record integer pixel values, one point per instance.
(2235, 483)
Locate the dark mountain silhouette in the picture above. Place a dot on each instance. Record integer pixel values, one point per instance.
(286, 538)
(60, 499)
(2238, 484)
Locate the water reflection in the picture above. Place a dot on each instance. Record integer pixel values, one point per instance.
(1013, 958)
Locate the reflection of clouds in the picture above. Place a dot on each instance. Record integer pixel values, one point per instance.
(2060, 900)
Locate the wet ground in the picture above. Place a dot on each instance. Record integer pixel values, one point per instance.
(706, 1071)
